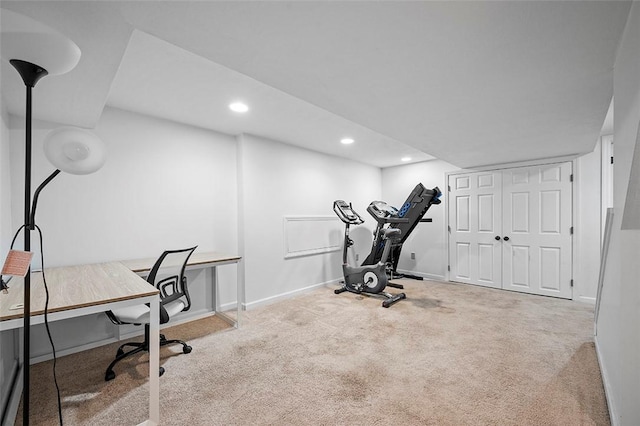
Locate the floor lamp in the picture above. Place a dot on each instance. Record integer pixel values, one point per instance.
(34, 50)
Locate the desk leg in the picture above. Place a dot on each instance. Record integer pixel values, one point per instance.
(154, 362)
(235, 322)
(240, 296)
(216, 292)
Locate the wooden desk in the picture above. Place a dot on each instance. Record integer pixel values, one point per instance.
(200, 260)
(76, 291)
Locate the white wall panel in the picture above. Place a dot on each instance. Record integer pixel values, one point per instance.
(587, 233)
(280, 180)
(164, 186)
(618, 339)
(307, 235)
(8, 346)
(6, 231)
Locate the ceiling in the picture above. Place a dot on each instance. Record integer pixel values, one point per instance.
(471, 83)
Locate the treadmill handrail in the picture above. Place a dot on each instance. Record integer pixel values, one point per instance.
(395, 220)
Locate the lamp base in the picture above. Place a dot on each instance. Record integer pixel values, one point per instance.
(30, 73)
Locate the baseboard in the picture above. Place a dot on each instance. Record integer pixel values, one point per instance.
(73, 350)
(585, 299)
(180, 320)
(231, 306)
(423, 275)
(283, 296)
(135, 332)
(608, 393)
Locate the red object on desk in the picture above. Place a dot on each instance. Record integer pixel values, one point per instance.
(17, 263)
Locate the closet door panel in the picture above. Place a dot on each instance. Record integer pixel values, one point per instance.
(474, 221)
(537, 220)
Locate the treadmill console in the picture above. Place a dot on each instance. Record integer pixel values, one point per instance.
(384, 213)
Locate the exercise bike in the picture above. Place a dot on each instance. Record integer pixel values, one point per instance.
(367, 279)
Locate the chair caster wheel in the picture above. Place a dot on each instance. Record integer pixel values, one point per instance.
(161, 372)
(110, 375)
(186, 349)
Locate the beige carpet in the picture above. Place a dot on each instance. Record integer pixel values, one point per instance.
(448, 355)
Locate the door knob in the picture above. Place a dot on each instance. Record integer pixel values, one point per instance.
(506, 238)
(497, 237)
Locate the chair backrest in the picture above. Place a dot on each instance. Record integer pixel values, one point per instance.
(167, 275)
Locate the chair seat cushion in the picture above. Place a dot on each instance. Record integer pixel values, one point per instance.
(174, 307)
(139, 314)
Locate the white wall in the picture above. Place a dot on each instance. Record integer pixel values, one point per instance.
(8, 348)
(164, 185)
(279, 180)
(618, 327)
(587, 224)
(428, 240)
(6, 233)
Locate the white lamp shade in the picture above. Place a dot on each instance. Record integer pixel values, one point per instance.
(28, 40)
(74, 150)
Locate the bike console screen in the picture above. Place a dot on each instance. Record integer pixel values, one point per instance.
(346, 213)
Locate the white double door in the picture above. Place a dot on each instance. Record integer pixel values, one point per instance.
(512, 229)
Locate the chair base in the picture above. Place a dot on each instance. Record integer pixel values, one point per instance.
(139, 347)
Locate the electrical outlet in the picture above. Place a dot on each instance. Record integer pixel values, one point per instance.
(357, 257)
(413, 256)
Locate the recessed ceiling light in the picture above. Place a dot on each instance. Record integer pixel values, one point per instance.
(405, 159)
(346, 141)
(238, 107)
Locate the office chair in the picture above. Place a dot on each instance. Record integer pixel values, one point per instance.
(167, 275)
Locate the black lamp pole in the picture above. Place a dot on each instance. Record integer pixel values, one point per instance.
(30, 74)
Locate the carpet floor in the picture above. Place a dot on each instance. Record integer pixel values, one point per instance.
(450, 354)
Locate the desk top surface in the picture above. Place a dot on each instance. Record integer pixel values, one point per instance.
(196, 259)
(72, 287)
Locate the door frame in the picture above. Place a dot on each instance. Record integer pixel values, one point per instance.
(495, 167)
